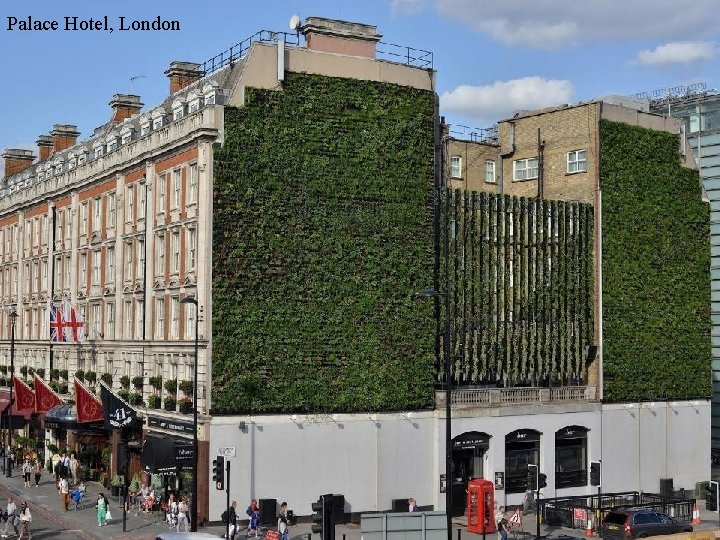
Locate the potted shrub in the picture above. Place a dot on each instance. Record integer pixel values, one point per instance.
(136, 399)
(134, 484)
(186, 387)
(54, 374)
(170, 403)
(156, 382)
(117, 483)
(40, 372)
(63, 388)
(3, 369)
(107, 379)
(54, 385)
(31, 383)
(64, 374)
(3, 381)
(125, 382)
(138, 382)
(80, 375)
(154, 401)
(186, 406)
(24, 371)
(91, 377)
(171, 386)
(30, 371)
(124, 394)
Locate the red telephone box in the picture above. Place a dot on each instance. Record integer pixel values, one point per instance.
(481, 506)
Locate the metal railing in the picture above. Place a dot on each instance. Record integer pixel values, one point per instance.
(485, 135)
(474, 397)
(404, 55)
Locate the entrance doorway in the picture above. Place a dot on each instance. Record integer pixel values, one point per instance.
(468, 462)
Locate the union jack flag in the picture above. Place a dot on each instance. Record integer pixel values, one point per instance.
(66, 324)
(57, 324)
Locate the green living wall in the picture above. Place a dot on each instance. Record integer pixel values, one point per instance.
(656, 269)
(322, 233)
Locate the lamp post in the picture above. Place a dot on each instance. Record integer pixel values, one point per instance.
(194, 514)
(13, 317)
(432, 293)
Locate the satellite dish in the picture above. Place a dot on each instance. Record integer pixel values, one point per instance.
(294, 22)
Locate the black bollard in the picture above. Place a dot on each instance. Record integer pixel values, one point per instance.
(309, 536)
(459, 533)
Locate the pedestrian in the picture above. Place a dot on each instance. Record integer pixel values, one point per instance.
(25, 521)
(26, 472)
(74, 463)
(232, 521)
(10, 517)
(182, 520)
(37, 470)
(282, 523)
(502, 523)
(102, 508)
(412, 505)
(253, 512)
(64, 491)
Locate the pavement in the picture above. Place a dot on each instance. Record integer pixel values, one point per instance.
(45, 500)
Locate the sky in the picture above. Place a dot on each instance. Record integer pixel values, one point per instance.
(492, 57)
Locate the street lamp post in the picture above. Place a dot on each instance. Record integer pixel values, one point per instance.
(432, 293)
(194, 515)
(13, 317)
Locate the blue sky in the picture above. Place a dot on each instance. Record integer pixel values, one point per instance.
(492, 56)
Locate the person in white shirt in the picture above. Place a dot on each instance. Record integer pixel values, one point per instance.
(25, 521)
(64, 490)
(182, 515)
(11, 514)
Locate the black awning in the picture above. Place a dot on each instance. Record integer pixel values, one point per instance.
(470, 440)
(64, 416)
(163, 454)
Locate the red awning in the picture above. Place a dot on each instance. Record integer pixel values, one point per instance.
(5, 400)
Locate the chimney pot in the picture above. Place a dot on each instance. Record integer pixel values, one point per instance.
(182, 74)
(124, 106)
(45, 147)
(17, 160)
(342, 37)
(64, 136)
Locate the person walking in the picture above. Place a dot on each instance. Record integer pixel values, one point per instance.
(253, 512)
(10, 518)
(25, 521)
(74, 469)
(26, 471)
(282, 523)
(232, 521)
(37, 471)
(182, 515)
(502, 523)
(102, 508)
(64, 491)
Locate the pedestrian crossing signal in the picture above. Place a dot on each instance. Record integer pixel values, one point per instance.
(219, 472)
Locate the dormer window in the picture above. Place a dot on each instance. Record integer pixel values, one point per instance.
(144, 129)
(126, 135)
(112, 146)
(49, 172)
(193, 102)
(72, 161)
(157, 118)
(112, 142)
(210, 91)
(178, 109)
(98, 150)
(59, 167)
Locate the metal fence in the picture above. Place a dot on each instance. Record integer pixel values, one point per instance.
(564, 511)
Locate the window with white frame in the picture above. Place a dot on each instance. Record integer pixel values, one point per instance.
(178, 109)
(191, 249)
(130, 199)
(95, 321)
(35, 321)
(110, 264)
(140, 317)
(58, 167)
(176, 187)
(111, 209)
(96, 267)
(68, 270)
(175, 252)
(128, 260)
(174, 317)
(140, 257)
(109, 321)
(190, 321)
(112, 145)
(36, 230)
(68, 223)
(96, 214)
(193, 184)
(15, 279)
(28, 233)
(144, 129)
(160, 318)
(81, 159)
(193, 102)
(525, 169)
(83, 269)
(157, 122)
(72, 162)
(98, 151)
(126, 135)
(58, 271)
(161, 186)
(44, 281)
(84, 218)
(490, 171)
(160, 250)
(128, 318)
(45, 230)
(577, 161)
(36, 276)
(455, 166)
(142, 188)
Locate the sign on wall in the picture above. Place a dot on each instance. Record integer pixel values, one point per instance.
(443, 483)
(500, 480)
(226, 451)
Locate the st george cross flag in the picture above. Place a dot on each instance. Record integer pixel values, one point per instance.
(73, 324)
(89, 408)
(57, 324)
(24, 396)
(45, 397)
(118, 413)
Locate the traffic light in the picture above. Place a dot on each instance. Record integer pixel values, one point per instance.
(322, 519)
(711, 498)
(594, 473)
(219, 472)
(542, 480)
(531, 480)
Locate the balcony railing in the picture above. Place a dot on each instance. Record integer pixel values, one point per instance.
(494, 397)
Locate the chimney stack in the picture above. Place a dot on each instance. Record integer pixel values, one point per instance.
(181, 74)
(124, 106)
(341, 37)
(17, 160)
(64, 136)
(45, 146)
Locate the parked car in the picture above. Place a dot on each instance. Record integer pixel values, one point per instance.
(631, 524)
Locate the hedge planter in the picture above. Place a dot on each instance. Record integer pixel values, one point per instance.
(170, 404)
(154, 402)
(186, 406)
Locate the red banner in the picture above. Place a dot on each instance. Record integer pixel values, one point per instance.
(24, 396)
(89, 408)
(45, 397)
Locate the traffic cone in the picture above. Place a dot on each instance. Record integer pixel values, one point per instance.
(696, 516)
(589, 529)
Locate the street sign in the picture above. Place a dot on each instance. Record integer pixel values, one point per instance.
(226, 451)
(443, 483)
(499, 480)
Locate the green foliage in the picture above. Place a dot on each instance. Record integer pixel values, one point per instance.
(124, 394)
(656, 269)
(107, 378)
(170, 404)
(40, 372)
(64, 374)
(154, 401)
(135, 483)
(138, 382)
(80, 375)
(24, 371)
(186, 387)
(125, 382)
(171, 386)
(135, 399)
(322, 233)
(90, 377)
(54, 374)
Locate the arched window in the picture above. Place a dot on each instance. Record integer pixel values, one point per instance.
(522, 447)
(571, 457)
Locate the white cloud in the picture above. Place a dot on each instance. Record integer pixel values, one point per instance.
(677, 52)
(548, 24)
(407, 7)
(502, 98)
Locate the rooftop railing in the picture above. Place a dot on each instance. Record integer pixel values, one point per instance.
(493, 397)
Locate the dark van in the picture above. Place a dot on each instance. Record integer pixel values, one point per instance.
(631, 524)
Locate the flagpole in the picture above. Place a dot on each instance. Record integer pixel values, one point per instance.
(13, 317)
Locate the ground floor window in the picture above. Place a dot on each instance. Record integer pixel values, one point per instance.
(571, 457)
(522, 447)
